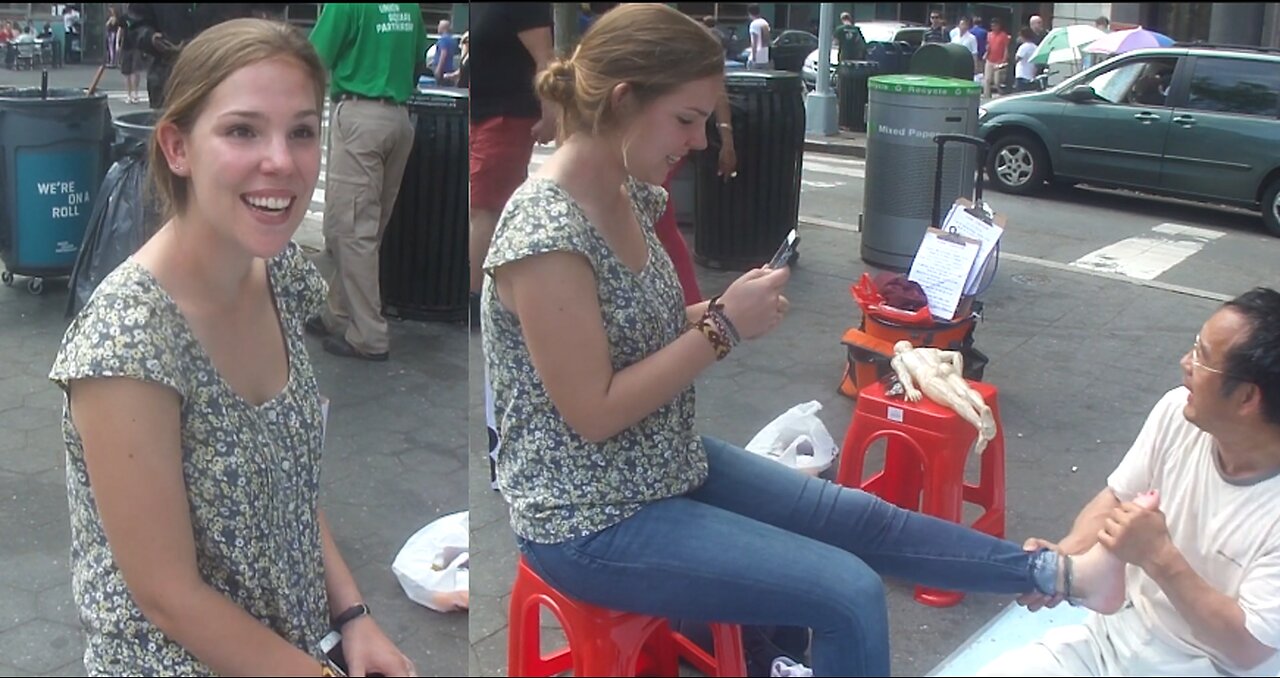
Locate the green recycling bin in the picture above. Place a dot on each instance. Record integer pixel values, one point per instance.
(943, 59)
(904, 114)
(54, 152)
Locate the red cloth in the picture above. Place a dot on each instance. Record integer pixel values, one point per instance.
(899, 292)
(500, 150)
(997, 47)
(673, 243)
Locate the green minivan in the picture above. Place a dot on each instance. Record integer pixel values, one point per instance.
(1190, 121)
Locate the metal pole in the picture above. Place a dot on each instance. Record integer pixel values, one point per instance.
(566, 28)
(820, 106)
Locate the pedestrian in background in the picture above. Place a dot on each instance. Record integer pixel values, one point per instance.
(761, 37)
(193, 422)
(1025, 71)
(997, 53)
(511, 42)
(112, 36)
(446, 54)
(162, 28)
(374, 53)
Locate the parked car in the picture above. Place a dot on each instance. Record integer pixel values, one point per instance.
(1195, 122)
(872, 31)
(787, 50)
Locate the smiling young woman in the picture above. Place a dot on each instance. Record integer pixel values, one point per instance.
(193, 422)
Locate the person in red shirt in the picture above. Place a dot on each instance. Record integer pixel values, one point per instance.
(997, 54)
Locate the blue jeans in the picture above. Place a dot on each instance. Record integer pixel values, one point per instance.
(760, 544)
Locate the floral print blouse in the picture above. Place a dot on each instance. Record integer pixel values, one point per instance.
(559, 485)
(252, 473)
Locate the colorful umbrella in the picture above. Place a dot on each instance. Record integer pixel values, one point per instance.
(1063, 44)
(1124, 41)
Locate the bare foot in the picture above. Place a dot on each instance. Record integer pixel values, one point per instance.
(1098, 576)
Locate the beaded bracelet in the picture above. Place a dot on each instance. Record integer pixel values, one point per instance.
(715, 309)
(719, 342)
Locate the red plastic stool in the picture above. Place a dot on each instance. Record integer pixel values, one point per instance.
(926, 448)
(606, 642)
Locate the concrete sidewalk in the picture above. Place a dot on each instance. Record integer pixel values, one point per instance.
(1079, 360)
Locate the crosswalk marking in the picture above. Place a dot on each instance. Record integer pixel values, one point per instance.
(1147, 256)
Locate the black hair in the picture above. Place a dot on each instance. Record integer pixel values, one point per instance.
(753, 9)
(1255, 358)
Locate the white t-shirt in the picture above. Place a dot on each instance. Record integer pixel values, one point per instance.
(969, 40)
(1024, 68)
(757, 29)
(1229, 532)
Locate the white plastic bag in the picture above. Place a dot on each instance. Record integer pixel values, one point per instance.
(797, 439)
(434, 565)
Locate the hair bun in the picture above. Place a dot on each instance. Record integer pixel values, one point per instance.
(556, 84)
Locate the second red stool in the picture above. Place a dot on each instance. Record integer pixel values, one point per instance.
(605, 642)
(927, 446)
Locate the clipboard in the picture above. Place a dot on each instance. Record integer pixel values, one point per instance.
(942, 267)
(979, 222)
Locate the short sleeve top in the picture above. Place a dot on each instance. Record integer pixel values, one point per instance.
(559, 485)
(251, 473)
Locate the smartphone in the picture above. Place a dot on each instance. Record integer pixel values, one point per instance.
(786, 252)
(331, 646)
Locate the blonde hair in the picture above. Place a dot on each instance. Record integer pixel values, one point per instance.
(650, 46)
(205, 63)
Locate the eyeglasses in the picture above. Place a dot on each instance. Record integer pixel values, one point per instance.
(1195, 361)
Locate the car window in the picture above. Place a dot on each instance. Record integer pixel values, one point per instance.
(914, 36)
(1141, 82)
(877, 32)
(1234, 86)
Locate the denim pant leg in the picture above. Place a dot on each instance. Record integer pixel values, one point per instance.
(893, 541)
(680, 558)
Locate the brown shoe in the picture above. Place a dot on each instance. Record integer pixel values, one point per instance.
(339, 346)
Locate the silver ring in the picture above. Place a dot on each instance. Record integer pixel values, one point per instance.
(733, 174)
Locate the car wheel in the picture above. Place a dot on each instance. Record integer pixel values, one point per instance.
(1017, 164)
(1271, 208)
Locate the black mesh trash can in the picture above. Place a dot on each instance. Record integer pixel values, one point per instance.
(740, 222)
(423, 260)
(54, 152)
(851, 88)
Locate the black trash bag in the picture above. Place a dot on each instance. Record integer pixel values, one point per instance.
(119, 224)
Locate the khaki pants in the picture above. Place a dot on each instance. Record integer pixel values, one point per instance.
(989, 71)
(369, 144)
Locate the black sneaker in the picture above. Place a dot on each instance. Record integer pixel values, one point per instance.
(339, 346)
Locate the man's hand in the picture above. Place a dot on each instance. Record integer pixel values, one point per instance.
(162, 44)
(728, 165)
(1136, 535)
(1034, 601)
(544, 131)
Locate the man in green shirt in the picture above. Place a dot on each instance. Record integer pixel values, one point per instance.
(853, 47)
(374, 53)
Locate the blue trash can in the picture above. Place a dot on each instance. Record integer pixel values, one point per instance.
(54, 153)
